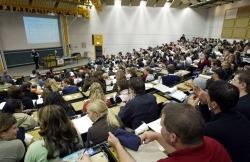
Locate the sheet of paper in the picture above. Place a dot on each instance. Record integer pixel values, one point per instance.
(161, 87)
(148, 85)
(205, 76)
(2, 105)
(155, 125)
(82, 124)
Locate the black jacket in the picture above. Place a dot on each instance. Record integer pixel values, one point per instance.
(141, 108)
(231, 129)
(99, 131)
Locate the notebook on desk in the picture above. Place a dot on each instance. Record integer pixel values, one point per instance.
(172, 92)
(82, 124)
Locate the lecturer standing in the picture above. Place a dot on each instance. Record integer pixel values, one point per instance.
(35, 56)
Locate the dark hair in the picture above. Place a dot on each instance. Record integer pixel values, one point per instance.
(66, 80)
(216, 62)
(14, 92)
(25, 85)
(11, 106)
(137, 85)
(221, 73)
(2, 82)
(224, 94)
(244, 77)
(55, 98)
(57, 131)
(185, 121)
(123, 84)
(6, 121)
(171, 69)
(33, 72)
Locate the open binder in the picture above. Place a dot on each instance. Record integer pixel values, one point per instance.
(172, 92)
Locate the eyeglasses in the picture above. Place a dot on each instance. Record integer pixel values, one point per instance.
(234, 81)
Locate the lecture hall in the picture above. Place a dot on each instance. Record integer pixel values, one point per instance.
(124, 80)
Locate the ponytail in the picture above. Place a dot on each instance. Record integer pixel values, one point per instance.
(111, 119)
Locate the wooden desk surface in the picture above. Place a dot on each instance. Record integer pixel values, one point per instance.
(73, 96)
(86, 93)
(35, 134)
(159, 98)
(77, 105)
(183, 87)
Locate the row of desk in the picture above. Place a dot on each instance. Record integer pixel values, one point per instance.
(76, 100)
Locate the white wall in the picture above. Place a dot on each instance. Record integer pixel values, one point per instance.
(125, 28)
(216, 18)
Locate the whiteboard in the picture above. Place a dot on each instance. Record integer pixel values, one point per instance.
(231, 14)
(12, 31)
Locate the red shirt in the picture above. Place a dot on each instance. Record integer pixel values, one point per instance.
(210, 151)
(144, 77)
(201, 65)
(84, 109)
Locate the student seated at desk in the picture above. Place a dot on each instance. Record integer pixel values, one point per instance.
(123, 90)
(26, 89)
(225, 124)
(59, 137)
(104, 121)
(15, 107)
(97, 77)
(143, 107)
(133, 72)
(242, 82)
(11, 149)
(54, 98)
(96, 93)
(67, 88)
(171, 78)
(148, 76)
(119, 76)
(15, 92)
(182, 136)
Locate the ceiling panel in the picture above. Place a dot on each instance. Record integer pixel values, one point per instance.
(202, 7)
(135, 2)
(175, 4)
(160, 3)
(150, 3)
(125, 3)
(194, 1)
(209, 5)
(110, 2)
(220, 2)
(183, 5)
(185, 1)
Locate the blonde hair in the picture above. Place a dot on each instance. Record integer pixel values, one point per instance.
(101, 108)
(96, 92)
(128, 70)
(106, 76)
(227, 64)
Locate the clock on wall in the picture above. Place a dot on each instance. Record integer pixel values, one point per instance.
(97, 37)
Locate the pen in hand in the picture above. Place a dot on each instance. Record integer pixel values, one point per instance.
(83, 153)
